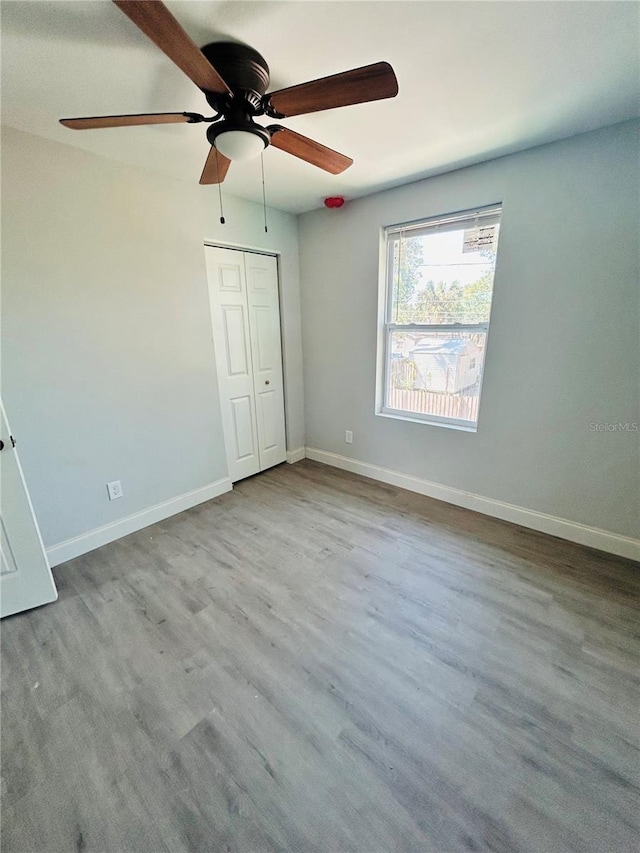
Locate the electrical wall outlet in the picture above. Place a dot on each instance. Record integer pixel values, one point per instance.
(115, 490)
(348, 436)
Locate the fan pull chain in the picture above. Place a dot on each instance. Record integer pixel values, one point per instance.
(219, 188)
(264, 194)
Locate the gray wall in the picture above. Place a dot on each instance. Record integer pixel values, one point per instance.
(563, 348)
(108, 368)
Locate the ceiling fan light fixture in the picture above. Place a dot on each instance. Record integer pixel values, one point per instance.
(240, 144)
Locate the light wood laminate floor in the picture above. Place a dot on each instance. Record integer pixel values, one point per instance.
(318, 662)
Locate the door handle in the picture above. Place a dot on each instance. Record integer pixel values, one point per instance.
(266, 382)
(1, 444)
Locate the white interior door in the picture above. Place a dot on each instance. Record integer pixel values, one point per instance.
(25, 577)
(232, 344)
(245, 317)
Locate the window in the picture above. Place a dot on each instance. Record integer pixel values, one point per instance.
(438, 284)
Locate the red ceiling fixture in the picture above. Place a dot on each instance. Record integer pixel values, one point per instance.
(334, 201)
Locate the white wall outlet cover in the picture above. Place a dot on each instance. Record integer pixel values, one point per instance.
(115, 490)
(348, 436)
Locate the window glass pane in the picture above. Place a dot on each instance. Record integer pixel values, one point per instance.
(443, 277)
(436, 373)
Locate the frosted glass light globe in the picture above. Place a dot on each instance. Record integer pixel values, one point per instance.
(239, 144)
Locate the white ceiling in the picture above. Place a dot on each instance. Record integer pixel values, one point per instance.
(477, 79)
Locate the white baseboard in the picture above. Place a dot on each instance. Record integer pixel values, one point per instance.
(594, 537)
(296, 455)
(71, 548)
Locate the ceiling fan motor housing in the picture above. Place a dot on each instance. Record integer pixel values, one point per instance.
(247, 74)
(244, 70)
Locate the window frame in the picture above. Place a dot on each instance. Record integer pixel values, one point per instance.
(385, 299)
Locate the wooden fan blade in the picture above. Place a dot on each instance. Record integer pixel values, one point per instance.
(308, 149)
(369, 83)
(157, 22)
(216, 168)
(128, 121)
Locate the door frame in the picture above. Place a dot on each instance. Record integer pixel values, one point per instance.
(242, 247)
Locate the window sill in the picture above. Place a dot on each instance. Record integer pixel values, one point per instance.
(398, 416)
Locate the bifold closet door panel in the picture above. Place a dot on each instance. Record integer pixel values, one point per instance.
(266, 351)
(232, 344)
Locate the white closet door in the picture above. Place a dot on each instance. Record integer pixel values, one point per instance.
(232, 343)
(245, 315)
(266, 349)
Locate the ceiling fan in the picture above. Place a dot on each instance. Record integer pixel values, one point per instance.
(234, 79)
